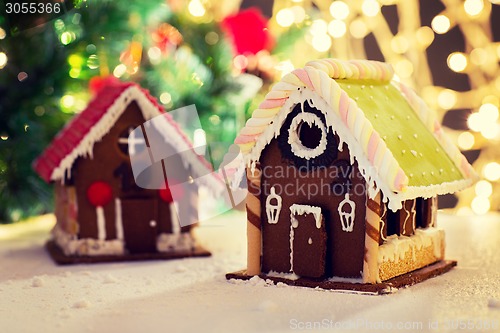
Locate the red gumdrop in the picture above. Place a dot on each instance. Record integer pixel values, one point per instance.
(167, 195)
(99, 193)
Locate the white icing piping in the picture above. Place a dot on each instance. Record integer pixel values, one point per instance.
(295, 143)
(101, 223)
(396, 247)
(118, 219)
(149, 111)
(273, 211)
(297, 209)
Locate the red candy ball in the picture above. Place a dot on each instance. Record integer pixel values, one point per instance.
(99, 193)
(166, 194)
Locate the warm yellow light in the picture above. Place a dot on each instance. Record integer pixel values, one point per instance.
(441, 24)
(299, 14)
(154, 54)
(483, 188)
(321, 43)
(457, 61)
(75, 72)
(284, 67)
(425, 36)
(358, 28)
(67, 101)
(75, 60)
(446, 99)
(196, 8)
(212, 38)
(67, 37)
(478, 56)
(319, 27)
(339, 10)
(491, 171)
(473, 7)
(474, 122)
(480, 205)
(337, 28)
(466, 140)
(3, 60)
(489, 130)
(285, 17)
(2, 33)
(165, 98)
(404, 68)
(120, 70)
(489, 112)
(370, 8)
(399, 44)
(93, 62)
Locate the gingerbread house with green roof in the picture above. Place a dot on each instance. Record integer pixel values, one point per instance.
(344, 165)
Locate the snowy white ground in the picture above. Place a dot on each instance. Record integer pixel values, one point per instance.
(192, 295)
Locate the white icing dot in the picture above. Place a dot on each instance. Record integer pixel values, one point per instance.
(392, 117)
(356, 98)
(386, 87)
(423, 173)
(310, 241)
(411, 175)
(371, 86)
(452, 169)
(362, 86)
(441, 170)
(413, 152)
(376, 115)
(403, 151)
(384, 137)
(408, 117)
(348, 86)
(415, 135)
(437, 150)
(432, 173)
(371, 97)
(421, 155)
(400, 137)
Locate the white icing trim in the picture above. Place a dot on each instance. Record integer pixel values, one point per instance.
(273, 211)
(294, 140)
(101, 223)
(71, 245)
(372, 176)
(175, 242)
(149, 111)
(176, 227)
(297, 209)
(396, 247)
(347, 219)
(118, 219)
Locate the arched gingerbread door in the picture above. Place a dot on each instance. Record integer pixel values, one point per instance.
(307, 241)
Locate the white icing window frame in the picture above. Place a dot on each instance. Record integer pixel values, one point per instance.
(294, 140)
(273, 211)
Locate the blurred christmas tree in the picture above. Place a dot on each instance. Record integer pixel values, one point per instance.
(184, 52)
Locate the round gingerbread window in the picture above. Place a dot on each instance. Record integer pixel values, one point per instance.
(307, 135)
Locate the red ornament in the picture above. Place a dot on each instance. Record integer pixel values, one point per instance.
(166, 36)
(248, 31)
(166, 194)
(98, 82)
(99, 193)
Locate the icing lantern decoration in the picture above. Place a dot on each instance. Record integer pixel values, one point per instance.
(347, 217)
(99, 193)
(166, 193)
(273, 209)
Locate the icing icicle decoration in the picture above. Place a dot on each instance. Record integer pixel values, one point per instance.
(273, 209)
(347, 217)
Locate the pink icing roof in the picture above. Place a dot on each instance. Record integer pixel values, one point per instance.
(79, 127)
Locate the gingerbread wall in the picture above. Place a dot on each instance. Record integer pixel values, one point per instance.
(344, 250)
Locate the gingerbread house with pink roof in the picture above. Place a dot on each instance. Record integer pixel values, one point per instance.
(102, 214)
(344, 165)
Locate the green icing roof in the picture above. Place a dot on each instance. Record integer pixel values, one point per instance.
(414, 147)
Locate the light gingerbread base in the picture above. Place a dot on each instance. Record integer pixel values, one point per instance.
(60, 258)
(386, 287)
